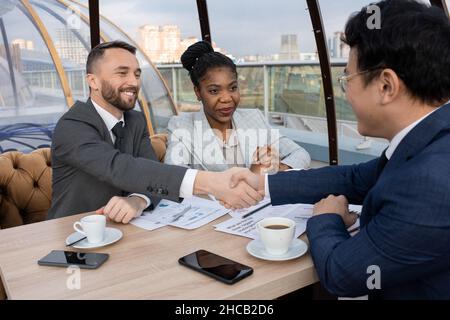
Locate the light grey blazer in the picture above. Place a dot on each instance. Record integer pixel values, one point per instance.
(192, 142)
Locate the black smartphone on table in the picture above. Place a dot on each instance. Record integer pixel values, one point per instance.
(218, 267)
(60, 258)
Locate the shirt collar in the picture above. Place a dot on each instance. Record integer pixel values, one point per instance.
(109, 119)
(402, 134)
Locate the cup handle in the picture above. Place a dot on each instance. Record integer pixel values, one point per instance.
(75, 226)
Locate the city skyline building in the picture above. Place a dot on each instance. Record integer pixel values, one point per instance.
(23, 44)
(162, 44)
(70, 47)
(289, 47)
(336, 47)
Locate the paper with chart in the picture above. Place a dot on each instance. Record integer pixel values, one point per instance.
(200, 213)
(302, 209)
(159, 217)
(305, 210)
(192, 213)
(246, 227)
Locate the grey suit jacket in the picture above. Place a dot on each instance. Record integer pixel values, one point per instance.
(192, 142)
(88, 170)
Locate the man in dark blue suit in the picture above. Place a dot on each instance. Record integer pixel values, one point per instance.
(398, 82)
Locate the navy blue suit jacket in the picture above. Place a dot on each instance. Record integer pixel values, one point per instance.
(405, 221)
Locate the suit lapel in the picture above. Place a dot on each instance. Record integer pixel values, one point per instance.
(88, 114)
(419, 137)
(414, 142)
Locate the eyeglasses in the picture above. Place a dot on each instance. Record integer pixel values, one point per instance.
(346, 78)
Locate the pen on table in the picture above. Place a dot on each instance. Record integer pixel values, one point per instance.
(179, 215)
(71, 244)
(256, 210)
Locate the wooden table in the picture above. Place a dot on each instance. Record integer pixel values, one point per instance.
(142, 265)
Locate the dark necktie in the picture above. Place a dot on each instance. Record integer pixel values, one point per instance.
(382, 163)
(119, 132)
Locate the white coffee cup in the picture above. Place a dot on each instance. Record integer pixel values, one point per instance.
(276, 234)
(93, 227)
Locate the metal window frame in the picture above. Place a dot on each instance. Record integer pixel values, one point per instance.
(321, 44)
(324, 58)
(94, 25)
(441, 4)
(12, 76)
(325, 66)
(141, 98)
(202, 9)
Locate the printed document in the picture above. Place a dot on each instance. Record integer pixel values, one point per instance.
(192, 213)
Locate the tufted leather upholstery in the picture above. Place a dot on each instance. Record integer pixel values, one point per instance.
(26, 185)
(159, 143)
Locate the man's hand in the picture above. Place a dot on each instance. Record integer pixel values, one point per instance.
(256, 181)
(219, 185)
(123, 209)
(338, 205)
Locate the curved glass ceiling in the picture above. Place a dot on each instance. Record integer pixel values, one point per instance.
(35, 37)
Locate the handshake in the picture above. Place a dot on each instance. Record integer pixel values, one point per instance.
(236, 188)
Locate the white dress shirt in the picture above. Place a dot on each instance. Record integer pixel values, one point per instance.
(187, 185)
(231, 150)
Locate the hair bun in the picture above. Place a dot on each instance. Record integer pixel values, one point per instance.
(194, 52)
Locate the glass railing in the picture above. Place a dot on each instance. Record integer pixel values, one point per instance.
(294, 88)
(291, 96)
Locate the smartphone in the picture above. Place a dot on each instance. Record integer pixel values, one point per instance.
(216, 266)
(60, 258)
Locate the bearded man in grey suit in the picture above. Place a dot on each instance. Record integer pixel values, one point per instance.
(102, 157)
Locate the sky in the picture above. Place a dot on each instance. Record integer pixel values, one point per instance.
(241, 27)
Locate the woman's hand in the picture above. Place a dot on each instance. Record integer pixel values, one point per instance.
(267, 160)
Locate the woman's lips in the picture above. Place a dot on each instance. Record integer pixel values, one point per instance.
(226, 111)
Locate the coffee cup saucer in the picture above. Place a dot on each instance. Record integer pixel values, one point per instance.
(297, 249)
(111, 235)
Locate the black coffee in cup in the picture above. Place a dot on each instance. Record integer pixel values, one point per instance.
(276, 226)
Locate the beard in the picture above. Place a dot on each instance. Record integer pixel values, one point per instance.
(114, 96)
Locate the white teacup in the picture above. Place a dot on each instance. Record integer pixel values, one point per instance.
(93, 227)
(276, 234)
